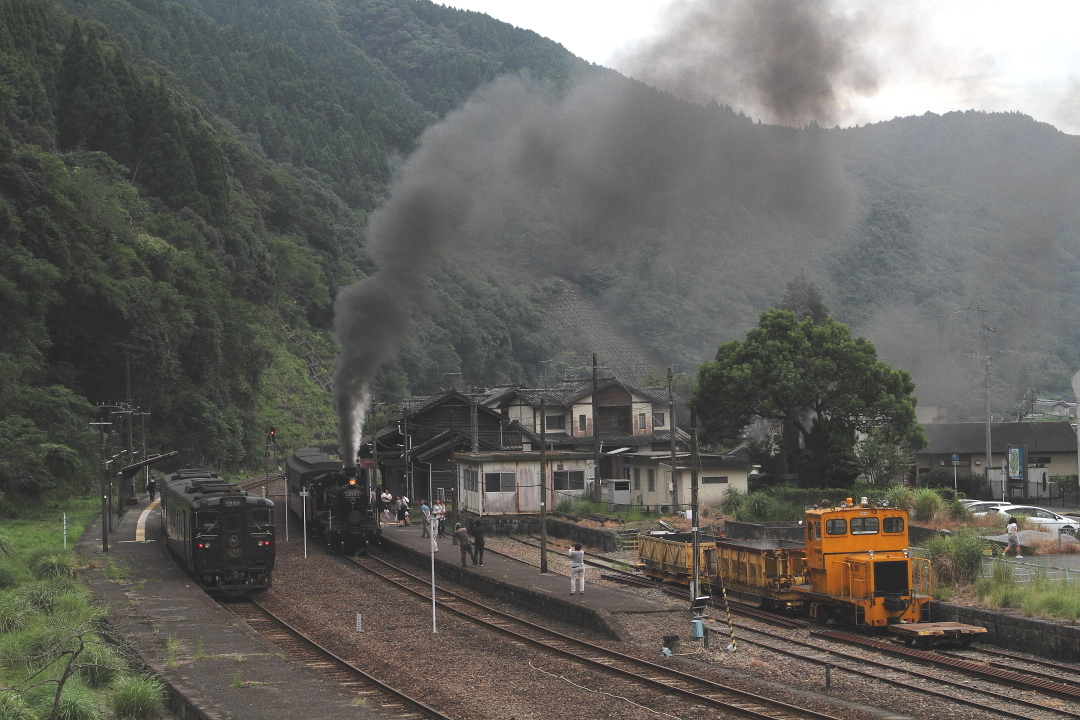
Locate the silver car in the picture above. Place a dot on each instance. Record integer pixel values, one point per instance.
(1040, 518)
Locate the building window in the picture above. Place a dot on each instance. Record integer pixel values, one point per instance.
(472, 480)
(641, 421)
(714, 480)
(555, 422)
(582, 423)
(569, 479)
(504, 482)
(658, 419)
(652, 480)
(637, 478)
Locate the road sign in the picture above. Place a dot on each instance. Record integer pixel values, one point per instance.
(955, 459)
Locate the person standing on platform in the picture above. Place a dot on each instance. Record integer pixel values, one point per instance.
(151, 487)
(577, 568)
(478, 543)
(440, 517)
(387, 501)
(402, 510)
(461, 537)
(405, 499)
(425, 511)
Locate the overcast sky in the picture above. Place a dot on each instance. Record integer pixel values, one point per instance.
(993, 55)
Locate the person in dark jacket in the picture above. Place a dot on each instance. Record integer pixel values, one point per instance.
(151, 487)
(461, 536)
(478, 542)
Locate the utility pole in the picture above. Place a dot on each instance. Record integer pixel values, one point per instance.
(695, 591)
(596, 431)
(104, 488)
(674, 453)
(543, 487)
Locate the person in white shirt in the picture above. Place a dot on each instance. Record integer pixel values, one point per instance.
(577, 568)
(1014, 541)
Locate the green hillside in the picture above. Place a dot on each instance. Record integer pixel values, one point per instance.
(184, 187)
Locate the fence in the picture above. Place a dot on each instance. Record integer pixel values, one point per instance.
(1023, 572)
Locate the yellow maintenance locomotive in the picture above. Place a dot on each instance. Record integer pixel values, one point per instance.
(853, 565)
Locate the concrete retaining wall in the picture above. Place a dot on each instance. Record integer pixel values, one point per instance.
(556, 607)
(1016, 632)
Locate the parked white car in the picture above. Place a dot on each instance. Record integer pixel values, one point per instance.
(1040, 518)
(979, 507)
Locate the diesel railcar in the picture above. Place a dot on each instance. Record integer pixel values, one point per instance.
(854, 566)
(338, 507)
(221, 536)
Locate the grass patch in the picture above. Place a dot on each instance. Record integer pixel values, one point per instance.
(172, 651)
(238, 680)
(137, 697)
(114, 570)
(45, 612)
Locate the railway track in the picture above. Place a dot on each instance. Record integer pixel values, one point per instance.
(669, 680)
(259, 482)
(982, 671)
(888, 672)
(298, 646)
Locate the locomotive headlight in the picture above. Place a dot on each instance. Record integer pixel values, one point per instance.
(871, 554)
(352, 481)
(906, 552)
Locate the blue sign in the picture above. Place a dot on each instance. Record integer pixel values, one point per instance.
(955, 459)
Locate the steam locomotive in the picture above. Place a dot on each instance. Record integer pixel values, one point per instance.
(338, 508)
(221, 536)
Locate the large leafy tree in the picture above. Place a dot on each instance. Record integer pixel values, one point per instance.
(814, 381)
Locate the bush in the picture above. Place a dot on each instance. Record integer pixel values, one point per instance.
(926, 505)
(138, 697)
(9, 575)
(53, 566)
(731, 501)
(12, 707)
(42, 595)
(956, 559)
(101, 665)
(14, 611)
(77, 702)
(7, 548)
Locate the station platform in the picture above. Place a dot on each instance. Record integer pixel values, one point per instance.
(524, 585)
(214, 666)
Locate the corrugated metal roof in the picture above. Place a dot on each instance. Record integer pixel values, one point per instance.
(970, 437)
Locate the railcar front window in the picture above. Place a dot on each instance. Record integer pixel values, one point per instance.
(864, 526)
(894, 525)
(836, 526)
(260, 517)
(206, 520)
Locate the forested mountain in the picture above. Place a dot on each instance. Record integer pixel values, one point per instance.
(184, 186)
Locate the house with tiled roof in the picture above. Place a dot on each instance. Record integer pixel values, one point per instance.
(483, 446)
